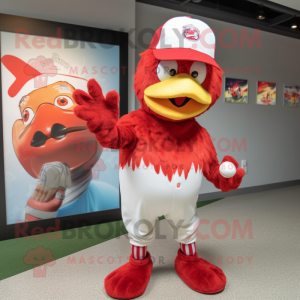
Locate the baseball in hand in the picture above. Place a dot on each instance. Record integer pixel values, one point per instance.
(227, 169)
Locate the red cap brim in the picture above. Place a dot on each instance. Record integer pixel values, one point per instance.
(184, 54)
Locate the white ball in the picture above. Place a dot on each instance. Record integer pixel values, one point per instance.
(227, 169)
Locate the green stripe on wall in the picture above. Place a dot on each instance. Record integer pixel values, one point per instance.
(61, 244)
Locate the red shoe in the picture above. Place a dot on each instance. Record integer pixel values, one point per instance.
(130, 280)
(199, 274)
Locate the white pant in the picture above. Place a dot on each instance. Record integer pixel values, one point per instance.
(146, 195)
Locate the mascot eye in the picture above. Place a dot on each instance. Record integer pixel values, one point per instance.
(198, 71)
(63, 102)
(172, 72)
(166, 69)
(27, 116)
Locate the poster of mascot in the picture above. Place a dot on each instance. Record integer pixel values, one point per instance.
(291, 95)
(266, 93)
(54, 166)
(236, 90)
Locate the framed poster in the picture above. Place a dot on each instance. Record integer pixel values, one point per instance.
(236, 90)
(47, 151)
(266, 93)
(291, 95)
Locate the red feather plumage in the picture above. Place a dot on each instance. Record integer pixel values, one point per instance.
(168, 145)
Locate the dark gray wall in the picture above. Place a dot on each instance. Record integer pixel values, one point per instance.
(271, 133)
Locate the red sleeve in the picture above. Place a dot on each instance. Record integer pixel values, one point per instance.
(118, 135)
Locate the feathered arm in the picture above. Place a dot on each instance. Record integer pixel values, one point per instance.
(102, 116)
(211, 169)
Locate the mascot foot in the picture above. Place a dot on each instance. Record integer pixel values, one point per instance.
(130, 280)
(199, 274)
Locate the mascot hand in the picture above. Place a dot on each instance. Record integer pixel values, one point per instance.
(230, 177)
(49, 193)
(101, 113)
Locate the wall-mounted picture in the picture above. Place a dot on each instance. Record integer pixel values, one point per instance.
(236, 90)
(47, 148)
(266, 93)
(291, 95)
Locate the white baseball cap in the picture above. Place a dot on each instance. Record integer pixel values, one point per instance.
(184, 38)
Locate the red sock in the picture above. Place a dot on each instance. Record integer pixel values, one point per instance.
(138, 252)
(188, 249)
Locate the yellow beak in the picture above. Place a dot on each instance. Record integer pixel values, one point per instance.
(158, 95)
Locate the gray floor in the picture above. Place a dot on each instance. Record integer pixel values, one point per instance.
(273, 271)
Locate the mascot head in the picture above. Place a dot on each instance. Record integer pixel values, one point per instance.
(178, 78)
(50, 131)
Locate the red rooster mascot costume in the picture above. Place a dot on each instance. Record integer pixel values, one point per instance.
(164, 152)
